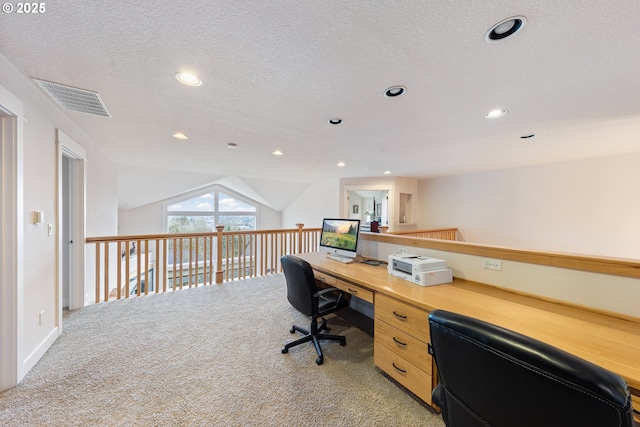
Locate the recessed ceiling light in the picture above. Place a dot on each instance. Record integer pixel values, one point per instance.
(495, 114)
(232, 145)
(180, 135)
(394, 91)
(277, 153)
(387, 172)
(188, 79)
(341, 164)
(335, 121)
(505, 28)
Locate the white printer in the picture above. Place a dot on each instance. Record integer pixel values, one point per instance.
(419, 269)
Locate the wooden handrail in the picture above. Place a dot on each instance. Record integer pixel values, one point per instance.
(595, 264)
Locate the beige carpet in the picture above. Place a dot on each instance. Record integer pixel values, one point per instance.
(208, 357)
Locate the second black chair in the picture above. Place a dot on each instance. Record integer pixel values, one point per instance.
(305, 296)
(492, 376)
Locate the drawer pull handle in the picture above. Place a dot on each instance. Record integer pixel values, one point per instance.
(353, 291)
(400, 316)
(404, 344)
(398, 369)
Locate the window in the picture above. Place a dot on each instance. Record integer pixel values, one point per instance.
(202, 213)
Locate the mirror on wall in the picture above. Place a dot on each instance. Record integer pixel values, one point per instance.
(369, 205)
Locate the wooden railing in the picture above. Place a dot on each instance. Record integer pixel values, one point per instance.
(128, 266)
(439, 233)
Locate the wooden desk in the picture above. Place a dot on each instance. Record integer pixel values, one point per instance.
(604, 339)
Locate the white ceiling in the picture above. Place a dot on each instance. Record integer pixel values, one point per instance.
(274, 72)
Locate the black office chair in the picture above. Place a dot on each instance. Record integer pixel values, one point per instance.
(491, 376)
(304, 295)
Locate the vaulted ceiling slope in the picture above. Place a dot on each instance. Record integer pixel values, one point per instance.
(275, 72)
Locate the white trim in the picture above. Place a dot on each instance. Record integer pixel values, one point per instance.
(12, 241)
(31, 360)
(77, 154)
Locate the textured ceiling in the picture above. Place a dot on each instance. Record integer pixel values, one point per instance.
(274, 72)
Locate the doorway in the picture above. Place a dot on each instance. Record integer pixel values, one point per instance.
(71, 224)
(67, 238)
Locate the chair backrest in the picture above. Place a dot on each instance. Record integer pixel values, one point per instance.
(491, 376)
(301, 285)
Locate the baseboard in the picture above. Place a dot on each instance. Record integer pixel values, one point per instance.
(36, 354)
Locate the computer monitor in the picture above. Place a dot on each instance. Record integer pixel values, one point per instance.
(340, 236)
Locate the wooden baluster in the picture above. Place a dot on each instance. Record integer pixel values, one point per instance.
(211, 277)
(198, 262)
(241, 256)
(254, 255)
(97, 272)
(127, 268)
(158, 258)
(147, 282)
(119, 277)
(263, 254)
(106, 271)
(219, 272)
(175, 267)
(180, 262)
(234, 241)
(164, 265)
(204, 260)
(191, 260)
(139, 268)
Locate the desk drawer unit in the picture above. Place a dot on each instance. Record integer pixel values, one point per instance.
(400, 345)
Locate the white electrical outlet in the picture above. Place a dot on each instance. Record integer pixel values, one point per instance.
(403, 250)
(492, 264)
(40, 317)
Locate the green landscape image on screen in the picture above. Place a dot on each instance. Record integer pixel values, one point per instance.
(340, 238)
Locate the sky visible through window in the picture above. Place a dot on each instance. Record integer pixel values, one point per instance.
(199, 214)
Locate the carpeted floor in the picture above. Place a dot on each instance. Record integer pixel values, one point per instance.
(208, 356)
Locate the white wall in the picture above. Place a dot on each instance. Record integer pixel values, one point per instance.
(319, 200)
(587, 206)
(40, 293)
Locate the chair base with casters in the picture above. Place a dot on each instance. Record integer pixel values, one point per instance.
(314, 333)
(304, 295)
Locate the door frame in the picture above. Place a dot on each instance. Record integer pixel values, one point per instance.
(12, 240)
(67, 147)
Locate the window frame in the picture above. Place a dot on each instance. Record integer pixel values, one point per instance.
(216, 213)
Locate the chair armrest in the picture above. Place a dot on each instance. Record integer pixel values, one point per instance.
(321, 292)
(326, 290)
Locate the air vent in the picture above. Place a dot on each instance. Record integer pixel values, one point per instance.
(74, 99)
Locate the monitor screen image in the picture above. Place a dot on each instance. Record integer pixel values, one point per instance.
(340, 236)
